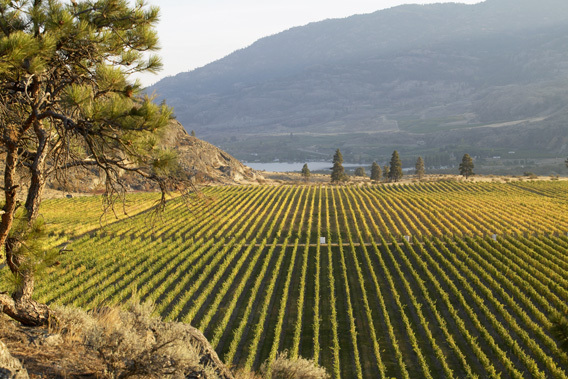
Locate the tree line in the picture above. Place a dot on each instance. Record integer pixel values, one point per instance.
(391, 172)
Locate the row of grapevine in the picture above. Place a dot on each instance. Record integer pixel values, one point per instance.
(246, 265)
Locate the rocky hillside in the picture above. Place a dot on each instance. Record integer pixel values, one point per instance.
(413, 77)
(206, 162)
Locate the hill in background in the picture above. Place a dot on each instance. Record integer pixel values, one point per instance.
(433, 80)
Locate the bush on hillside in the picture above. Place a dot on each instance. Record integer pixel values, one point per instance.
(293, 368)
(132, 342)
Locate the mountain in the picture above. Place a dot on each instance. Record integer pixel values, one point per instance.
(424, 79)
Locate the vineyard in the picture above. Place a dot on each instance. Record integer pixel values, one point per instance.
(426, 280)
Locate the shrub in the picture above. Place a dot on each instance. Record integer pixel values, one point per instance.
(293, 368)
(71, 323)
(132, 342)
(244, 373)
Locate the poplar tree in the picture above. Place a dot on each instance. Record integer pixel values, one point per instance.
(306, 172)
(395, 172)
(466, 166)
(419, 168)
(67, 101)
(338, 172)
(376, 172)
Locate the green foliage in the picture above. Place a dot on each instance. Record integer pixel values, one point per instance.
(386, 172)
(360, 171)
(419, 167)
(338, 172)
(165, 162)
(559, 330)
(454, 281)
(395, 170)
(31, 249)
(68, 100)
(70, 65)
(306, 172)
(376, 172)
(466, 166)
(338, 157)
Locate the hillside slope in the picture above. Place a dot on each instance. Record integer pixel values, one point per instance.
(412, 74)
(205, 163)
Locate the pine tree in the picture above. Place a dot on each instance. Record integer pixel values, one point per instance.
(306, 172)
(395, 173)
(338, 157)
(376, 172)
(466, 166)
(360, 171)
(193, 133)
(338, 172)
(386, 170)
(419, 168)
(67, 100)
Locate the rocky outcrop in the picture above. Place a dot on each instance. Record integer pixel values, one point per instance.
(206, 162)
(202, 161)
(10, 367)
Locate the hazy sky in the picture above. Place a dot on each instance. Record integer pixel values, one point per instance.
(196, 32)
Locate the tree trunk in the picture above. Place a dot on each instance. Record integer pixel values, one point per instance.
(25, 310)
(38, 171)
(20, 306)
(10, 193)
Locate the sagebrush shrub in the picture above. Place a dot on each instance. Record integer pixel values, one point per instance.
(293, 368)
(132, 342)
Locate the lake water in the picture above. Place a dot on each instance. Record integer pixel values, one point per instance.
(297, 167)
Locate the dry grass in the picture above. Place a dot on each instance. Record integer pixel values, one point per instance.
(106, 343)
(293, 368)
(247, 374)
(45, 360)
(133, 343)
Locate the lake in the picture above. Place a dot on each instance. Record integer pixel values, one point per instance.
(292, 167)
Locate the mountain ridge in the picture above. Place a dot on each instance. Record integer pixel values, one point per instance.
(496, 61)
